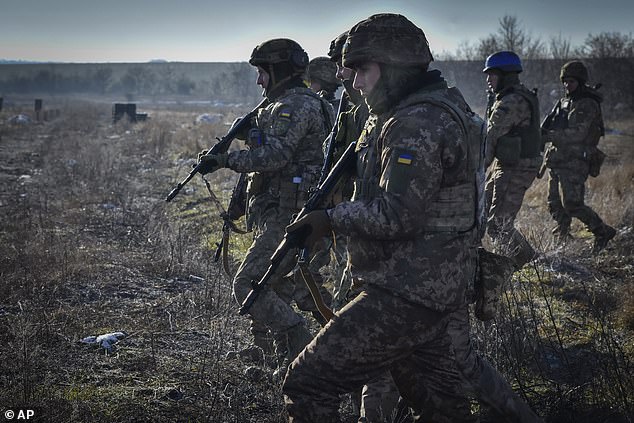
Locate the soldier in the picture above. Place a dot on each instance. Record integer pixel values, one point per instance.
(283, 160)
(513, 139)
(573, 133)
(349, 126)
(321, 77)
(411, 154)
(378, 398)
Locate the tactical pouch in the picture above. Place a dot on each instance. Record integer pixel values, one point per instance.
(494, 271)
(596, 159)
(508, 149)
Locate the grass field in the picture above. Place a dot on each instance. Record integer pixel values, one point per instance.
(88, 246)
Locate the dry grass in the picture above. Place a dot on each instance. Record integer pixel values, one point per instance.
(88, 246)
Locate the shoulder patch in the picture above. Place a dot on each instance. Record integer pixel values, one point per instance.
(285, 113)
(400, 171)
(405, 159)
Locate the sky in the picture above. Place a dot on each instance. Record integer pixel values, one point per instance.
(99, 31)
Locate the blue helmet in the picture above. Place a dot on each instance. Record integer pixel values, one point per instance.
(506, 61)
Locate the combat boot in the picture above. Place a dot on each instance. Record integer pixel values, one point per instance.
(602, 236)
(561, 233)
(526, 254)
(297, 337)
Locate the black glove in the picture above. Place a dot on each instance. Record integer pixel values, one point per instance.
(208, 163)
(312, 227)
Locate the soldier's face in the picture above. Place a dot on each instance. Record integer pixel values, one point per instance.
(343, 73)
(315, 86)
(570, 84)
(366, 77)
(492, 80)
(263, 78)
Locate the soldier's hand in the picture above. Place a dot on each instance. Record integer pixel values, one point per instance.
(208, 163)
(313, 226)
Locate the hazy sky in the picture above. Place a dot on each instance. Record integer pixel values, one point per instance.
(213, 30)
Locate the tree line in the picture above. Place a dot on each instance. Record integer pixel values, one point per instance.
(511, 35)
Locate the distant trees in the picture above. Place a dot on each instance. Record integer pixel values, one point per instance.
(510, 35)
(607, 45)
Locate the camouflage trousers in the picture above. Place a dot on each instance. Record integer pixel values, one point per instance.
(481, 379)
(379, 400)
(342, 279)
(566, 200)
(269, 309)
(377, 333)
(504, 191)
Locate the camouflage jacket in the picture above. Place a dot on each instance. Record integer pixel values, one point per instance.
(284, 157)
(405, 157)
(510, 114)
(570, 146)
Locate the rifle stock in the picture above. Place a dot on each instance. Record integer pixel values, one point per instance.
(295, 240)
(222, 146)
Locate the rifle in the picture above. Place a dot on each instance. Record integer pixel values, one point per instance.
(295, 240)
(222, 146)
(330, 141)
(555, 119)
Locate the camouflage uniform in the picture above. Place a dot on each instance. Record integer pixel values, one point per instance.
(508, 181)
(350, 125)
(378, 398)
(572, 143)
(481, 379)
(413, 278)
(283, 162)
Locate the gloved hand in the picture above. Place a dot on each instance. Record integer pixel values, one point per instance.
(208, 163)
(314, 226)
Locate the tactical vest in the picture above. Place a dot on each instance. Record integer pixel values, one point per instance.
(531, 139)
(457, 208)
(597, 127)
(299, 177)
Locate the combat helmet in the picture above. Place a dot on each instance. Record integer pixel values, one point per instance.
(387, 38)
(283, 59)
(336, 47)
(505, 61)
(322, 70)
(574, 69)
(280, 50)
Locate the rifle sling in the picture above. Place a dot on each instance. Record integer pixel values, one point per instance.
(226, 230)
(314, 291)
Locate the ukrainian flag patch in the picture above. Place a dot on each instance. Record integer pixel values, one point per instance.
(405, 159)
(285, 114)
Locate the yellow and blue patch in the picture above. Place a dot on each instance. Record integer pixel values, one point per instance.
(285, 114)
(404, 159)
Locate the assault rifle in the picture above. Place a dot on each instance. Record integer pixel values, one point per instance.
(296, 240)
(222, 146)
(330, 141)
(556, 119)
